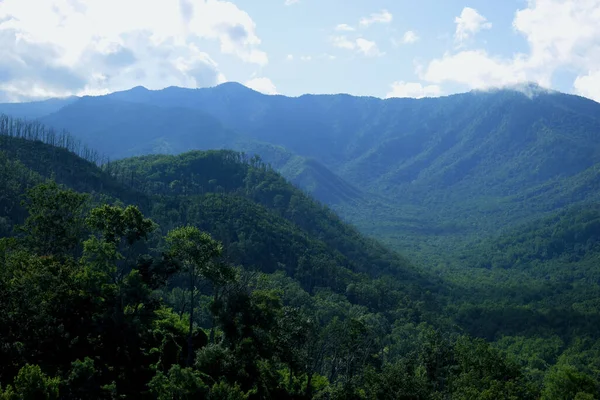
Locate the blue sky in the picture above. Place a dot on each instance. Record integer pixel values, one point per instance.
(383, 48)
(307, 29)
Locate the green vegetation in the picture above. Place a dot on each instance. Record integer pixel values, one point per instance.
(422, 175)
(100, 304)
(207, 275)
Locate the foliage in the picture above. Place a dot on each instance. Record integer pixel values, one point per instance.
(285, 299)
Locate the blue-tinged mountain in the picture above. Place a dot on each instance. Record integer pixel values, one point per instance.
(474, 161)
(413, 172)
(35, 109)
(122, 128)
(509, 139)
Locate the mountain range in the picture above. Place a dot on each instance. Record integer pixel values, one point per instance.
(491, 196)
(439, 171)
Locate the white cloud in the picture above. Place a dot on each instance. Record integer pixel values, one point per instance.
(589, 85)
(363, 46)
(290, 2)
(476, 69)
(63, 47)
(561, 31)
(469, 23)
(368, 48)
(344, 28)
(562, 34)
(410, 37)
(263, 85)
(289, 57)
(382, 17)
(343, 42)
(306, 58)
(414, 90)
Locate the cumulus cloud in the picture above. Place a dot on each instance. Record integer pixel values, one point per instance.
(589, 85)
(368, 48)
(410, 37)
(414, 90)
(475, 68)
(263, 85)
(63, 47)
(382, 17)
(343, 42)
(363, 46)
(562, 34)
(469, 23)
(344, 28)
(290, 2)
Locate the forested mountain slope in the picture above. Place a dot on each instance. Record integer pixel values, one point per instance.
(473, 155)
(121, 129)
(229, 178)
(140, 128)
(35, 109)
(415, 173)
(176, 186)
(541, 276)
(316, 310)
(386, 144)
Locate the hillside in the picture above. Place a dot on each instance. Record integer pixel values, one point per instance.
(121, 129)
(220, 180)
(35, 109)
(226, 172)
(310, 295)
(544, 273)
(141, 128)
(417, 174)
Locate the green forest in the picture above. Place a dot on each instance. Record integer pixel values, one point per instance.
(208, 275)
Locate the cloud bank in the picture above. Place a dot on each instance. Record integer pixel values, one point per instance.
(562, 35)
(63, 47)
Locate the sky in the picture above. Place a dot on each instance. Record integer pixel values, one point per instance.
(382, 48)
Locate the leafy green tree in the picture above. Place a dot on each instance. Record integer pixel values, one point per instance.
(32, 384)
(197, 251)
(118, 230)
(120, 225)
(83, 381)
(55, 223)
(180, 383)
(224, 391)
(564, 382)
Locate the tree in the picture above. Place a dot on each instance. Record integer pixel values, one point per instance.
(179, 383)
(197, 251)
(117, 230)
(32, 384)
(566, 382)
(55, 223)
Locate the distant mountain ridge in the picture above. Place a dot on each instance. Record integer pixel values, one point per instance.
(472, 163)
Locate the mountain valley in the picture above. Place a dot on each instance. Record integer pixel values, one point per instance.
(442, 171)
(466, 250)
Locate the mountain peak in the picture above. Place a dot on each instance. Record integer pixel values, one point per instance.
(232, 84)
(233, 88)
(135, 89)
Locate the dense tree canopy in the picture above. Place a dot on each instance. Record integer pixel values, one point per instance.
(207, 275)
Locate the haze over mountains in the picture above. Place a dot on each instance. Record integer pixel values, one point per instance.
(434, 168)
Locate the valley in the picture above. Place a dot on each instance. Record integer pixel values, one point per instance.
(467, 231)
(443, 171)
